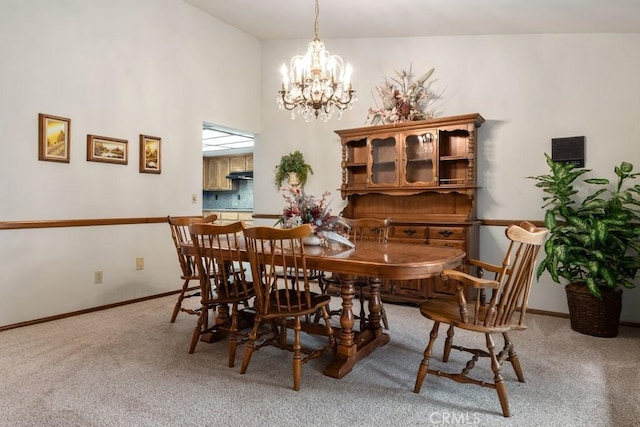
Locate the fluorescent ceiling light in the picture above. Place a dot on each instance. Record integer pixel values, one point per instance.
(219, 139)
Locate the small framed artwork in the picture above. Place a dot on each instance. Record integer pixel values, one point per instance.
(107, 150)
(54, 138)
(150, 154)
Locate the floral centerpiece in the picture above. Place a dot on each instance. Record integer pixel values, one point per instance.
(404, 99)
(301, 208)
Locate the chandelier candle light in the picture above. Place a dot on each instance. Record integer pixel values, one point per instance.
(316, 83)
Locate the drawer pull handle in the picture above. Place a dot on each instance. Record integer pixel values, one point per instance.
(445, 233)
(409, 232)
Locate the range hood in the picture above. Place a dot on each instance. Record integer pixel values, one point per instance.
(240, 175)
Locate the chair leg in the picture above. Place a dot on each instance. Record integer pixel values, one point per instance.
(233, 334)
(318, 315)
(321, 283)
(201, 325)
(501, 388)
(383, 316)
(447, 344)
(327, 321)
(513, 358)
(178, 306)
(424, 365)
(297, 360)
(251, 344)
(283, 334)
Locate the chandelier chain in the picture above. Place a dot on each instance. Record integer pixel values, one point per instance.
(316, 21)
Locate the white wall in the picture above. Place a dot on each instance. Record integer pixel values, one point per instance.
(529, 88)
(116, 68)
(161, 67)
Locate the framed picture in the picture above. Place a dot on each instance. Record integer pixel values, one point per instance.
(150, 154)
(107, 150)
(54, 138)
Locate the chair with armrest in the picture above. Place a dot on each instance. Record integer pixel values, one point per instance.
(222, 281)
(362, 230)
(505, 311)
(281, 302)
(180, 234)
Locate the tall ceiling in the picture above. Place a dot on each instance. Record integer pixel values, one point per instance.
(294, 19)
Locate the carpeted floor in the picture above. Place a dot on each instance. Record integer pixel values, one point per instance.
(128, 366)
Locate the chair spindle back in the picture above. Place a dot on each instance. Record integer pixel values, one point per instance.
(368, 229)
(516, 276)
(271, 251)
(218, 249)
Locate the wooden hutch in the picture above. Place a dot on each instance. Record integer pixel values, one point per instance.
(422, 175)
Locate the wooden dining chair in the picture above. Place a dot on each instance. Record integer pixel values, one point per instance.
(222, 281)
(361, 230)
(505, 311)
(280, 301)
(180, 234)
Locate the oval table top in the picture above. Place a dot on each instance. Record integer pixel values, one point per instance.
(391, 260)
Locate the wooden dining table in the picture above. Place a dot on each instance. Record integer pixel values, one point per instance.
(378, 261)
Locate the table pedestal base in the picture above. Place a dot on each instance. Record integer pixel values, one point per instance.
(341, 365)
(354, 346)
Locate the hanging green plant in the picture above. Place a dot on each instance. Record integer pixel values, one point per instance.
(292, 162)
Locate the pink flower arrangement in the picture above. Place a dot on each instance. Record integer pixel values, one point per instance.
(301, 208)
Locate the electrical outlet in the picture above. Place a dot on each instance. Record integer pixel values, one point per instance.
(140, 263)
(194, 198)
(97, 277)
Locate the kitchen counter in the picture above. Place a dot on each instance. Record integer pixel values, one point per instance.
(227, 216)
(228, 210)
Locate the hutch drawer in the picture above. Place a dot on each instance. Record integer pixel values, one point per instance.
(413, 232)
(446, 233)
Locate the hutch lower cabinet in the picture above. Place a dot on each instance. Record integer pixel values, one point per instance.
(422, 175)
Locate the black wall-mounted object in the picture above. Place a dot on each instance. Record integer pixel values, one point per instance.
(240, 175)
(570, 149)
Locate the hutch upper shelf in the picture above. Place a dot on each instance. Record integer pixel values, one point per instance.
(436, 154)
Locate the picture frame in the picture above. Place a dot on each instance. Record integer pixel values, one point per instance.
(150, 154)
(107, 150)
(54, 138)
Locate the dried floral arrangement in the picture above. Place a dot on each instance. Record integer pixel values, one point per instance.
(404, 99)
(301, 208)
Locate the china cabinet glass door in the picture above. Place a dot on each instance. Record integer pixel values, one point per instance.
(420, 158)
(384, 161)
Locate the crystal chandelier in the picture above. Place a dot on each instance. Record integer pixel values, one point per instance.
(316, 83)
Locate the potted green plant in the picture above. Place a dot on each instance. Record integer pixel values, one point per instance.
(594, 242)
(293, 163)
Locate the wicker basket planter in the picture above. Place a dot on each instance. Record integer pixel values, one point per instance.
(592, 316)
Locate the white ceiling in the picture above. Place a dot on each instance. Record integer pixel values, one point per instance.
(294, 19)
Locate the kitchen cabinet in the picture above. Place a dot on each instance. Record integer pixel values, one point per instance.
(215, 171)
(237, 164)
(422, 175)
